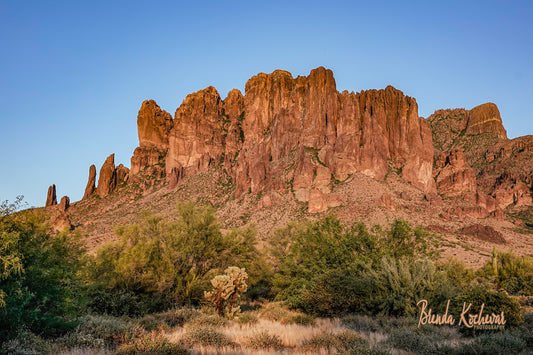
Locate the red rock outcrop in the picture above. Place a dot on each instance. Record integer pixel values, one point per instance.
(122, 173)
(485, 118)
(281, 118)
(510, 190)
(64, 204)
(153, 126)
(387, 201)
(91, 183)
(107, 181)
(196, 141)
(51, 198)
(455, 176)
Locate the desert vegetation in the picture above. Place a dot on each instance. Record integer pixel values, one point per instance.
(187, 286)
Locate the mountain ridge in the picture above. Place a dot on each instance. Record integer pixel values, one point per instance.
(298, 147)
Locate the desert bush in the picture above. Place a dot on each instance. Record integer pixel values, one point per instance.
(342, 342)
(213, 320)
(413, 341)
(247, 318)
(206, 336)
(392, 287)
(153, 344)
(177, 317)
(111, 330)
(511, 272)
(227, 291)
(163, 263)
(275, 311)
(26, 343)
(494, 302)
(506, 342)
(40, 281)
(302, 319)
(264, 340)
(329, 269)
(118, 302)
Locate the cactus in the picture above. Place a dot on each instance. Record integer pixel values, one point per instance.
(227, 290)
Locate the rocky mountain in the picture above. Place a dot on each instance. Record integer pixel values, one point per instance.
(293, 148)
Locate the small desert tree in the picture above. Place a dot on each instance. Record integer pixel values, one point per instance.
(228, 288)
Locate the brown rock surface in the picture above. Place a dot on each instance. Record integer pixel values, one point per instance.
(341, 133)
(153, 126)
(196, 141)
(485, 118)
(107, 181)
(64, 204)
(387, 201)
(91, 183)
(485, 233)
(456, 177)
(509, 190)
(122, 173)
(51, 198)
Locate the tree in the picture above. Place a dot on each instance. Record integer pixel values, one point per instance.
(41, 279)
(170, 263)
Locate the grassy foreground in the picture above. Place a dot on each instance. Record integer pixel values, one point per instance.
(269, 328)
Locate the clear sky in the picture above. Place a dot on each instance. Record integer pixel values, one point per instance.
(73, 74)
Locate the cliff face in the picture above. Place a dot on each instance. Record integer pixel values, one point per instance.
(325, 133)
(153, 127)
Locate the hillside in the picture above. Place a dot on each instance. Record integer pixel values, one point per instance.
(296, 148)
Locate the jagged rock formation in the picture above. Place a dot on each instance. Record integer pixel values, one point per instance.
(509, 190)
(51, 198)
(122, 173)
(64, 204)
(281, 119)
(454, 175)
(91, 183)
(107, 181)
(496, 172)
(153, 126)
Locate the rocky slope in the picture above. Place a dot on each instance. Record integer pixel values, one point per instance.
(294, 148)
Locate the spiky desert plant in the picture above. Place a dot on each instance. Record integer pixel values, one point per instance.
(227, 290)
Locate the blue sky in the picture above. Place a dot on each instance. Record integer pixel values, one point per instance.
(73, 74)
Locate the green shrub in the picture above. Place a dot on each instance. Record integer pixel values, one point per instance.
(413, 341)
(153, 344)
(511, 272)
(275, 311)
(494, 302)
(40, 282)
(213, 320)
(302, 319)
(505, 342)
(26, 343)
(345, 341)
(328, 269)
(264, 340)
(177, 317)
(247, 318)
(206, 336)
(160, 264)
(111, 330)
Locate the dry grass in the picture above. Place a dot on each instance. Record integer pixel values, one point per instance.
(292, 336)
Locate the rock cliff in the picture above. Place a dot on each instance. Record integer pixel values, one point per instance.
(289, 133)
